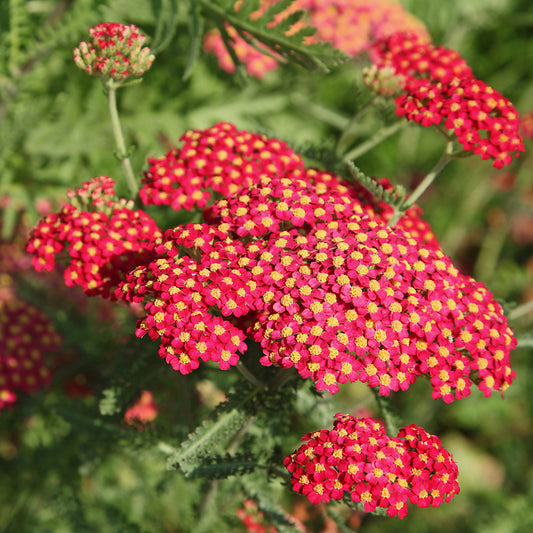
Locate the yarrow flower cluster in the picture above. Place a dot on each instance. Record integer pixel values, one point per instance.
(26, 336)
(218, 160)
(104, 238)
(349, 25)
(114, 52)
(358, 460)
(440, 89)
(351, 299)
(323, 285)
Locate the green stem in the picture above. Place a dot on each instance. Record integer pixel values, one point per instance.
(122, 153)
(249, 376)
(387, 412)
(525, 342)
(521, 310)
(376, 139)
(423, 186)
(347, 135)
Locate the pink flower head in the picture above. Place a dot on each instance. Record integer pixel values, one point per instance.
(143, 411)
(440, 88)
(526, 123)
(220, 159)
(26, 336)
(349, 25)
(104, 238)
(358, 458)
(115, 52)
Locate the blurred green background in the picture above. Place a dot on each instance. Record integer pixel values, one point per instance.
(63, 467)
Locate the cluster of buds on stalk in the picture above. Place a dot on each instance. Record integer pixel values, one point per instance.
(115, 52)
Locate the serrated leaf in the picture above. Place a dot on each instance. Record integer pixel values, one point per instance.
(223, 466)
(207, 439)
(394, 197)
(291, 48)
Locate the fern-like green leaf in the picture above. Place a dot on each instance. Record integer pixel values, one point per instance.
(212, 437)
(222, 466)
(259, 32)
(395, 197)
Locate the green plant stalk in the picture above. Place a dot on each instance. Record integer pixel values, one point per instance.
(347, 135)
(521, 310)
(423, 186)
(390, 418)
(122, 153)
(376, 139)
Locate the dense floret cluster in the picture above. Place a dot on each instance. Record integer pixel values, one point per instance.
(26, 336)
(115, 52)
(349, 25)
(218, 160)
(440, 89)
(104, 238)
(411, 221)
(358, 460)
(324, 285)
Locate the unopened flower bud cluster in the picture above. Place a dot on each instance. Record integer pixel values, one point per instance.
(115, 52)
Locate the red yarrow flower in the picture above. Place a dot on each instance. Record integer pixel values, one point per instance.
(440, 90)
(26, 337)
(357, 458)
(308, 269)
(103, 237)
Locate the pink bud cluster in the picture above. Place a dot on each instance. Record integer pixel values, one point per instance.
(358, 460)
(115, 52)
(440, 89)
(26, 336)
(104, 238)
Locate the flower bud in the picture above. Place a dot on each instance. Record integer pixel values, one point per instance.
(115, 52)
(383, 81)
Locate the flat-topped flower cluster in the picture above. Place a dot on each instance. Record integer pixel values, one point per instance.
(26, 336)
(440, 90)
(103, 236)
(288, 257)
(357, 459)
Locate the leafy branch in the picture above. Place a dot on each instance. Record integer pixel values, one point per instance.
(267, 34)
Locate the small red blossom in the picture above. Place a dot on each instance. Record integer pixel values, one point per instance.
(115, 52)
(358, 458)
(104, 238)
(440, 89)
(143, 411)
(526, 123)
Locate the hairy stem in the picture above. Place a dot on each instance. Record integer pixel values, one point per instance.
(122, 153)
(423, 186)
(376, 139)
(521, 310)
(387, 412)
